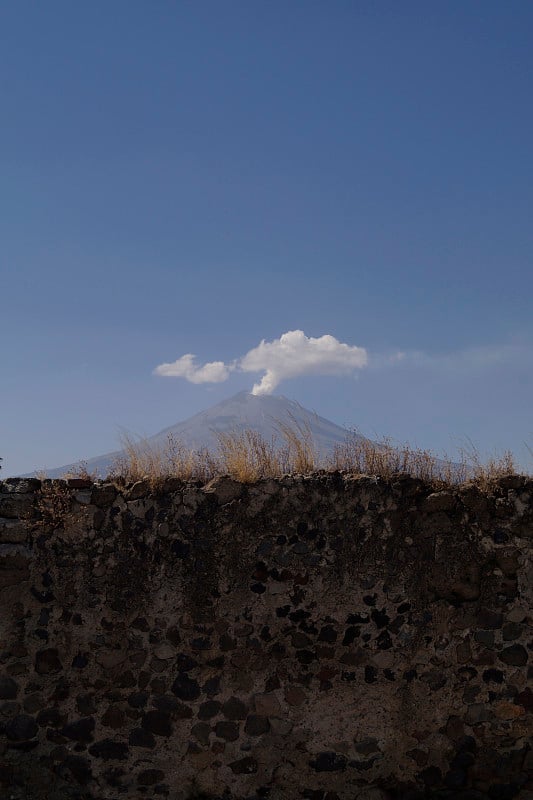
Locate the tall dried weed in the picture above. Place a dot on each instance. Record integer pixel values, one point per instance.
(53, 504)
(247, 456)
(299, 453)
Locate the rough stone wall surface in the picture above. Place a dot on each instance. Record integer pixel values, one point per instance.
(325, 637)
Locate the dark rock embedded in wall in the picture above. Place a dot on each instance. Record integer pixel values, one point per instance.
(21, 727)
(323, 637)
(8, 688)
(47, 661)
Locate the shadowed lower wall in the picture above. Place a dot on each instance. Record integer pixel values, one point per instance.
(312, 637)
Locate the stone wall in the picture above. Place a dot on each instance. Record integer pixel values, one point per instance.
(324, 637)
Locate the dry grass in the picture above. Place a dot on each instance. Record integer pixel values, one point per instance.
(82, 472)
(300, 453)
(188, 464)
(142, 460)
(53, 504)
(387, 458)
(247, 456)
(486, 472)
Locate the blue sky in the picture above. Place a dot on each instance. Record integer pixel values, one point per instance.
(195, 177)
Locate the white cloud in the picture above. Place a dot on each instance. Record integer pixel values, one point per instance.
(292, 355)
(295, 354)
(184, 367)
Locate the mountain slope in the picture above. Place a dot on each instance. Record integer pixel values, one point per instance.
(237, 413)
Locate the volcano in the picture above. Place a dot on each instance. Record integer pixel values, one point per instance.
(261, 413)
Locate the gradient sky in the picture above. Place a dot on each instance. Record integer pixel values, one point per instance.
(194, 177)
